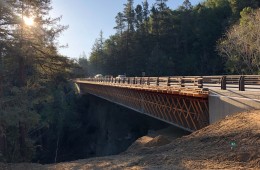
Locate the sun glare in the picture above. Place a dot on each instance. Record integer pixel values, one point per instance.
(28, 21)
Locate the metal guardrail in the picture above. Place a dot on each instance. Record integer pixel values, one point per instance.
(239, 82)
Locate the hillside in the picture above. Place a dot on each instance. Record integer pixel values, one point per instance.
(233, 143)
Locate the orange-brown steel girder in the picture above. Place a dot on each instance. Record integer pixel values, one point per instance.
(186, 112)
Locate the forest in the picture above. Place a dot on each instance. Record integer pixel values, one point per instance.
(40, 112)
(189, 40)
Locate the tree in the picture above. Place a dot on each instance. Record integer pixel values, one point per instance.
(146, 13)
(154, 20)
(129, 15)
(97, 57)
(161, 5)
(83, 64)
(29, 59)
(238, 5)
(139, 17)
(120, 24)
(183, 40)
(241, 43)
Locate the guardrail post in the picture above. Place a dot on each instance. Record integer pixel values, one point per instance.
(182, 83)
(168, 81)
(148, 81)
(223, 82)
(134, 81)
(140, 80)
(128, 80)
(242, 83)
(157, 81)
(200, 83)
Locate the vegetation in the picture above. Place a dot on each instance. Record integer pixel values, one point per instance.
(160, 41)
(241, 44)
(37, 102)
(32, 76)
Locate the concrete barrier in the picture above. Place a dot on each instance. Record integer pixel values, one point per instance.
(227, 102)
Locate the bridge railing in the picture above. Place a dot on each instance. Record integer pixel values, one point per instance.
(240, 82)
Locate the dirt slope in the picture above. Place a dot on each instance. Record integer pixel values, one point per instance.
(233, 143)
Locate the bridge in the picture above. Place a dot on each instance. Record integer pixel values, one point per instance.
(188, 102)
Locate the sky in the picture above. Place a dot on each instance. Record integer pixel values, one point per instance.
(86, 18)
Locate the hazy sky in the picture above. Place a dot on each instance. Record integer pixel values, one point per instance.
(86, 18)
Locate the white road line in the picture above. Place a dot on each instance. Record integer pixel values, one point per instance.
(214, 95)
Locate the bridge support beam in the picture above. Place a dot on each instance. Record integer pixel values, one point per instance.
(186, 112)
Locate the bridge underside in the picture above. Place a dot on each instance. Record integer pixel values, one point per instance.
(186, 112)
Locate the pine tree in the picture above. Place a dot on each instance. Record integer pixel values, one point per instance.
(97, 57)
(29, 59)
(146, 13)
(129, 15)
(120, 24)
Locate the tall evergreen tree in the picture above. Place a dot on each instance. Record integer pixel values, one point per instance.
(161, 4)
(97, 57)
(146, 13)
(129, 15)
(29, 58)
(139, 17)
(120, 23)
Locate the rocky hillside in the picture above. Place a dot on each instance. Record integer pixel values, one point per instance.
(233, 143)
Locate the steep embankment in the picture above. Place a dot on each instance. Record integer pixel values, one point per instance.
(233, 143)
(97, 128)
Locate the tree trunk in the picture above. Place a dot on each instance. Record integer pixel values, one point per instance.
(21, 73)
(22, 145)
(1, 74)
(3, 146)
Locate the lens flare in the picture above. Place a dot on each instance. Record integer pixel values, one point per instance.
(28, 21)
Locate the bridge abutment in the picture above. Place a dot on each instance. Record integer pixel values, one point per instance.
(227, 102)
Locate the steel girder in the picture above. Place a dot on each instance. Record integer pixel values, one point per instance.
(189, 113)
